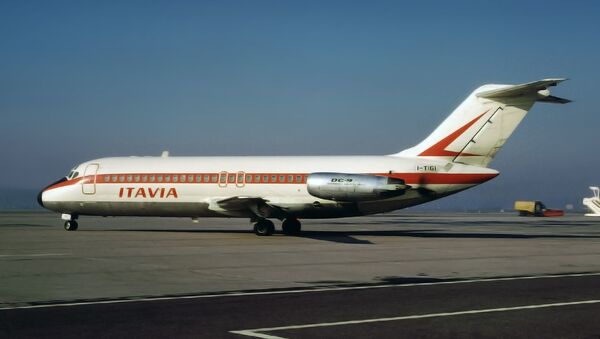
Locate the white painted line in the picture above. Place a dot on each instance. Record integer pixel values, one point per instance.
(257, 331)
(31, 255)
(298, 291)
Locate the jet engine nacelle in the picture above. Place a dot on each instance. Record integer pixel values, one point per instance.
(354, 187)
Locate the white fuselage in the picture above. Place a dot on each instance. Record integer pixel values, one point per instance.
(196, 186)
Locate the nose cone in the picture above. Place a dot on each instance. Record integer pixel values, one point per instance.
(40, 200)
(40, 196)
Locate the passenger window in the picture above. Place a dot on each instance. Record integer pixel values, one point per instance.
(107, 178)
(114, 178)
(265, 178)
(136, 178)
(206, 178)
(248, 178)
(298, 178)
(129, 178)
(122, 178)
(273, 178)
(175, 178)
(159, 178)
(231, 178)
(190, 178)
(240, 178)
(282, 178)
(223, 178)
(152, 178)
(257, 178)
(290, 178)
(144, 178)
(198, 178)
(167, 178)
(213, 178)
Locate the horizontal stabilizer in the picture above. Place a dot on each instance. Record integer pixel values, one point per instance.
(536, 88)
(554, 100)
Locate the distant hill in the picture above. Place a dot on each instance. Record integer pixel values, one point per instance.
(18, 198)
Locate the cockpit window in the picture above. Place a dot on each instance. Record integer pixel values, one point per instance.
(68, 176)
(72, 174)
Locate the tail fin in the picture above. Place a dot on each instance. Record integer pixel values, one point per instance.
(481, 124)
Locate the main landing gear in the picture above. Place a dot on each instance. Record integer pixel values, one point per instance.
(291, 226)
(70, 222)
(264, 227)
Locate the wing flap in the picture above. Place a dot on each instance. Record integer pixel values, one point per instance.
(256, 205)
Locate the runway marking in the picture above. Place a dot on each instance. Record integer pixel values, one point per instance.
(259, 332)
(32, 255)
(298, 291)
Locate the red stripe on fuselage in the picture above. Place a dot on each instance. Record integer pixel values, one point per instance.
(409, 178)
(64, 183)
(442, 178)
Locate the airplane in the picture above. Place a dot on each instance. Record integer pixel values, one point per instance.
(593, 203)
(453, 158)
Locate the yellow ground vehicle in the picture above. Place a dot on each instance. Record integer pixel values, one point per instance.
(535, 208)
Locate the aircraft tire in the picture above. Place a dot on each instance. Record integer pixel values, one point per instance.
(71, 225)
(291, 226)
(264, 227)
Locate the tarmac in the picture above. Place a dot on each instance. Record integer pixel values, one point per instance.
(404, 274)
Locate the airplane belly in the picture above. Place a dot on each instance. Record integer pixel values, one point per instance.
(148, 208)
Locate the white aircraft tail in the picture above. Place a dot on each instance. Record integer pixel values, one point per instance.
(593, 203)
(481, 124)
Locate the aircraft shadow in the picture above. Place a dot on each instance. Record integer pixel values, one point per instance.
(350, 237)
(25, 225)
(170, 231)
(388, 280)
(533, 222)
(339, 237)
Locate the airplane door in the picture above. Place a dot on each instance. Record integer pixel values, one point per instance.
(88, 185)
(240, 179)
(223, 179)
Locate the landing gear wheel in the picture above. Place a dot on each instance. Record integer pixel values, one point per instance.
(291, 226)
(264, 227)
(71, 225)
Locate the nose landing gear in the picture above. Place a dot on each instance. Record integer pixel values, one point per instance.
(71, 225)
(70, 222)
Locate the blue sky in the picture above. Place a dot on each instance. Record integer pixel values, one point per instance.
(87, 79)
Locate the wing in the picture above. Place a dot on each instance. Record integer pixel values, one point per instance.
(256, 205)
